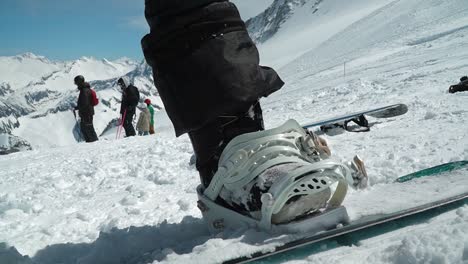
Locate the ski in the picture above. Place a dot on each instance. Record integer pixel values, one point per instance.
(359, 118)
(359, 228)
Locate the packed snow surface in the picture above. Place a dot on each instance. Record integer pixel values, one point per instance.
(134, 201)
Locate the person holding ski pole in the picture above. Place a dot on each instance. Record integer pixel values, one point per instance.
(85, 107)
(130, 98)
(206, 69)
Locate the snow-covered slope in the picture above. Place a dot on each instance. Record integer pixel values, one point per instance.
(10, 144)
(60, 205)
(295, 27)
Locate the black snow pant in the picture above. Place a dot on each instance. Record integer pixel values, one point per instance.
(210, 141)
(87, 128)
(458, 88)
(206, 69)
(128, 122)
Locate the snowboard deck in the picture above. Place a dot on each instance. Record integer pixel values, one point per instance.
(77, 132)
(381, 112)
(356, 228)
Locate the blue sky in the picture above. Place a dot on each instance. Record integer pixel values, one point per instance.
(69, 29)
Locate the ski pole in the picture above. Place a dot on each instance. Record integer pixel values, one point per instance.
(121, 124)
(119, 127)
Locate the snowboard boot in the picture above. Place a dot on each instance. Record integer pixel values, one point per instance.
(278, 176)
(209, 141)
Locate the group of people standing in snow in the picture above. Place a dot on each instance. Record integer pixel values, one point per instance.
(145, 124)
(87, 100)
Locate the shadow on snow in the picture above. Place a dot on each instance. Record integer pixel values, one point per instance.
(130, 245)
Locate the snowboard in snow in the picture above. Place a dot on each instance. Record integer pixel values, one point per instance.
(77, 128)
(445, 189)
(359, 118)
(77, 132)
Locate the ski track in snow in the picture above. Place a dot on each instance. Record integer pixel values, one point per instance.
(134, 200)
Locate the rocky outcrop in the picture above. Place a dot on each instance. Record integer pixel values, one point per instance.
(10, 144)
(265, 25)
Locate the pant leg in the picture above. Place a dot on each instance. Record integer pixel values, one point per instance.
(87, 129)
(205, 65)
(209, 142)
(128, 125)
(84, 131)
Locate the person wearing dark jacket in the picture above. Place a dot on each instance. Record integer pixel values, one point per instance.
(85, 109)
(206, 69)
(130, 99)
(462, 86)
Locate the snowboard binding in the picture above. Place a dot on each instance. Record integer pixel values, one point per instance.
(361, 124)
(284, 178)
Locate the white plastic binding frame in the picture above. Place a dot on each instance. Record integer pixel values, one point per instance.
(248, 155)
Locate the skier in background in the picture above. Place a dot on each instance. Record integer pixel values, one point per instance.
(462, 86)
(85, 109)
(151, 110)
(143, 124)
(130, 98)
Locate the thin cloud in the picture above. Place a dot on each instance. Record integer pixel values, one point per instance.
(138, 22)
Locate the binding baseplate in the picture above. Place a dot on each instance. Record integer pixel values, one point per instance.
(249, 155)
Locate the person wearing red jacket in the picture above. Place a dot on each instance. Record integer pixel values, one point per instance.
(85, 109)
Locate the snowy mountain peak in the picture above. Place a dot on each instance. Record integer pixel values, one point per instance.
(125, 60)
(31, 56)
(86, 59)
(266, 24)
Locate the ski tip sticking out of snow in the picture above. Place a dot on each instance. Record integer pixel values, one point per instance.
(434, 170)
